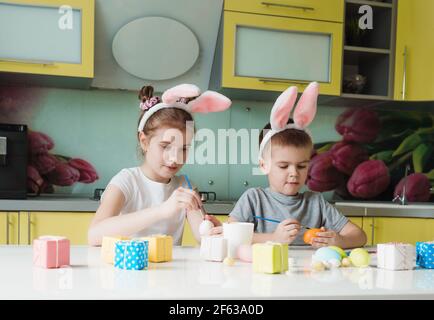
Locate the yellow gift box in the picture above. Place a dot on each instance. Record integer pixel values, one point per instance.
(160, 247)
(270, 257)
(108, 248)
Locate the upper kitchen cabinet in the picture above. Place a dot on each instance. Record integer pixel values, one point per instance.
(47, 37)
(272, 45)
(414, 79)
(368, 62)
(330, 10)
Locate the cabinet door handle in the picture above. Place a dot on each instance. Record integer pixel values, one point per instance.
(38, 62)
(29, 234)
(264, 80)
(404, 75)
(7, 227)
(271, 4)
(19, 228)
(372, 231)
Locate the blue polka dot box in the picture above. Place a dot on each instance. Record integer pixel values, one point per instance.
(131, 255)
(425, 254)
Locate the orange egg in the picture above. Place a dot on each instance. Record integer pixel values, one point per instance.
(310, 234)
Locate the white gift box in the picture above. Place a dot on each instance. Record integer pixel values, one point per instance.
(396, 256)
(213, 248)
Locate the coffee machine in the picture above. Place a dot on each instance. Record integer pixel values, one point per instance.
(13, 161)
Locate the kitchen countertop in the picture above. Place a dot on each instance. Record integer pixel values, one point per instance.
(82, 203)
(188, 277)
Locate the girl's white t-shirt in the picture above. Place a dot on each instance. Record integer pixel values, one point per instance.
(141, 192)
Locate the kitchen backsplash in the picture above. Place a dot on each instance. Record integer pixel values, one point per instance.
(100, 127)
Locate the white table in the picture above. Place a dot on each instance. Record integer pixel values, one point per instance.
(188, 277)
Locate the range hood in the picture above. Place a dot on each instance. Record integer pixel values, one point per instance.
(157, 42)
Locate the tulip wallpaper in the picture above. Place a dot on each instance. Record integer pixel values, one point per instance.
(378, 154)
(79, 139)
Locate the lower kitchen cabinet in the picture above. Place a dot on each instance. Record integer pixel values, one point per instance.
(73, 225)
(188, 237)
(407, 230)
(9, 227)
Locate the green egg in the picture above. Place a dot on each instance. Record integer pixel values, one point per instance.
(360, 257)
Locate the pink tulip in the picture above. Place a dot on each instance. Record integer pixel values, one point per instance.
(358, 125)
(44, 162)
(88, 173)
(63, 175)
(369, 179)
(39, 142)
(417, 188)
(322, 175)
(346, 156)
(34, 179)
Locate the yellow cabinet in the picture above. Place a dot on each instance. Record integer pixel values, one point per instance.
(330, 10)
(408, 230)
(73, 225)
(47, 37)
(188, 237)
(358, 221)
(270, 53)
(9, 227)
(414, 79)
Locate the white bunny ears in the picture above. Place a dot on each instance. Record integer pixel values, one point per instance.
(209, 101)
(304, 112)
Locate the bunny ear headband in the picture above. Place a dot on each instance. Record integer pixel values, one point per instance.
(209, 101)
(304, 112)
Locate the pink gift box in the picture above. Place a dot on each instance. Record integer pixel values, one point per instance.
(51, 252)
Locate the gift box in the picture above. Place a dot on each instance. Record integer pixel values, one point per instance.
(270, 257)
(51, 252)
(425, 254)
(108, 248)
(131, 255)
(213, 248)
(395, 256)
(160, 247)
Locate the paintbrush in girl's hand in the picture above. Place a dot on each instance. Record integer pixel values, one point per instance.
(202, 209)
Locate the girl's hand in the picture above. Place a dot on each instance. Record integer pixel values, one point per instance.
(216, 231)
(213, 219)
(326, 238)
(180, 199)
(286, 231)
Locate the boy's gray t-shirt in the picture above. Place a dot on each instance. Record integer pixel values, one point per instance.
(308, 208)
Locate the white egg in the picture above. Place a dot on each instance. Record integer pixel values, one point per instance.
(205, 227)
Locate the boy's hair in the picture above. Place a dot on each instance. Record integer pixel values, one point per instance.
(288, 137)
(170, 117)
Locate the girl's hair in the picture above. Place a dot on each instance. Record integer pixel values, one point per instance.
(170, 117)
(289, 137)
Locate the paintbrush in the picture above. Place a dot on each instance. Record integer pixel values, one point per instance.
(272, 220)
(202, 209)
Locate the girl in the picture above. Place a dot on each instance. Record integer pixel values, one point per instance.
(151, 199)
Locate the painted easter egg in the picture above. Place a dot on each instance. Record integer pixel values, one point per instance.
(205, 227)
(325, 254)
(310, 234)
(360, 257)
(339, 250)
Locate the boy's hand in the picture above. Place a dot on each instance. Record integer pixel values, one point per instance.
(286, 231)
(326, 238)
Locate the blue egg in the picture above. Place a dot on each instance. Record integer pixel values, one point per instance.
(326, 254)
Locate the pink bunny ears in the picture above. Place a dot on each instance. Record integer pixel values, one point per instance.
(181, 96)
(304, 112)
